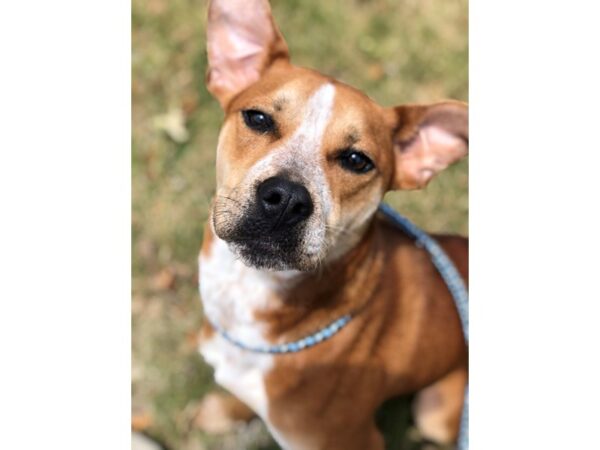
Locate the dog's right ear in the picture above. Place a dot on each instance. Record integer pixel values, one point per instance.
(242, 42)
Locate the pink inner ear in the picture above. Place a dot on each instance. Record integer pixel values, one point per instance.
(431, 151)
(236, 51)
(241, 36)
(235, 62)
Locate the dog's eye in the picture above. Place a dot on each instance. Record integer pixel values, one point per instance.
(258, 120)
(355, 161)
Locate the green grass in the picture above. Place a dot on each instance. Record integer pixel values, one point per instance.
(396, 51)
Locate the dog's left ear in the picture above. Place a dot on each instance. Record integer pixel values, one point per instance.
(427, 139)
(242, 42)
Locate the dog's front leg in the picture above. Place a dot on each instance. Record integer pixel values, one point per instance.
(220, 411)
(438, 407)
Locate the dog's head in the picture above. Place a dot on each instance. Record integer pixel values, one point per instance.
(303, 160)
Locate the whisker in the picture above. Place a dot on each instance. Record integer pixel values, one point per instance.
(225, 197)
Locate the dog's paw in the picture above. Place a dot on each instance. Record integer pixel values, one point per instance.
(213, 415)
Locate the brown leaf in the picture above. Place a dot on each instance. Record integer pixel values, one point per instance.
(164, 280)
(140, 422)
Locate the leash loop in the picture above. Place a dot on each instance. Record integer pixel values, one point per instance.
(449, 274)
(289, 347)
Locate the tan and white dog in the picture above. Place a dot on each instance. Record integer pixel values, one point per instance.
(294, 242)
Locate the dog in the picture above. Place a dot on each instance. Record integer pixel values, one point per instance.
(294, 242)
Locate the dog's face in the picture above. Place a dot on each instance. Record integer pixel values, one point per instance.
(304, 160)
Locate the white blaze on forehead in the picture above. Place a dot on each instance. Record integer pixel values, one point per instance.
(302, 148)
(300, 154)
(309, 134)
(306, 145)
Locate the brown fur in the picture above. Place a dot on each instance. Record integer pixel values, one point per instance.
(405, 336)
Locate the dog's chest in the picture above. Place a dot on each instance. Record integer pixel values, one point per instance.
(231, 293)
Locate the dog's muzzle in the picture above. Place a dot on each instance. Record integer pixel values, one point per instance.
(272, 228)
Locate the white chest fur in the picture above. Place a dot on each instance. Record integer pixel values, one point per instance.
(231, 293)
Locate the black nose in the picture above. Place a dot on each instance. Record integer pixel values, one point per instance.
(283, 202)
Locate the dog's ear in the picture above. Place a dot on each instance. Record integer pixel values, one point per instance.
(426, 140)
(242, 42)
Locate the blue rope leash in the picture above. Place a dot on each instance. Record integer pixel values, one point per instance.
(456, 286)
(290, 347)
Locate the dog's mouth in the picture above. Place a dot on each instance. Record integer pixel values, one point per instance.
(269, 254)
(273, 250)
(258, 245)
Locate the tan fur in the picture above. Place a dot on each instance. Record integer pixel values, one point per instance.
(219, 413)
(438, 407)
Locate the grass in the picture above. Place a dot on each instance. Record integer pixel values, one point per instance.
(397, 51)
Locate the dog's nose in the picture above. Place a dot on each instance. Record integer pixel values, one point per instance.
(284, 202)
